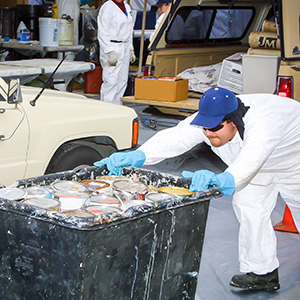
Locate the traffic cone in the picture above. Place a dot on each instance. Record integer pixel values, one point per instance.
(287, 223)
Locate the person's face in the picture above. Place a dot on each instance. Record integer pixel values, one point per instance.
(221, 134)
(163, 8)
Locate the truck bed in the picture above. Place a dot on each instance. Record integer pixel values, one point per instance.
(181, 107)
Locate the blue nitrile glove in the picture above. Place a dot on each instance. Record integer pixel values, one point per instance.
(118, 160)
(202, 179)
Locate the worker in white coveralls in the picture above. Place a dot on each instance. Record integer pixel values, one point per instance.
(258, 137)
(115, 32)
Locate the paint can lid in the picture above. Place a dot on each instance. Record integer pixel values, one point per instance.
(15, 194)
(69, 186)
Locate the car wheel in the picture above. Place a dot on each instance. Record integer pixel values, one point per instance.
(71, 156)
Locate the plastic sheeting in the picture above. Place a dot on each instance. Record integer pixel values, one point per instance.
(202, 78)
(219, 260)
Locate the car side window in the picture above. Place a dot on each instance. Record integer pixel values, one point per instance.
(230, 23)
(192, 25)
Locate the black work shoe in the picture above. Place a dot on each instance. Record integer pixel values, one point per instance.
(251, 281)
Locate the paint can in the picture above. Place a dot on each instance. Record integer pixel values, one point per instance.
(66, 31)
(105, 199)
(110, 178)
(69, 186)
(174, 190)
(72, 201)
(13, 194)
(43, 203)
(154, 197)
(103, 210)
(95, 184)
(38, 191)
(129, 190)
(79, 213)
(49, 32)
(133, 204)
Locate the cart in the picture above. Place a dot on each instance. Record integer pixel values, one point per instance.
(149, 252)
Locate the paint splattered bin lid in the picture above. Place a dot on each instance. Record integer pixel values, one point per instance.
(148, 251)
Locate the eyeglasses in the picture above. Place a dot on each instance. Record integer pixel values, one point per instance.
(214, 129)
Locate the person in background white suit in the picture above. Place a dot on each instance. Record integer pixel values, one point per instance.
(162, 7)
(115, 34)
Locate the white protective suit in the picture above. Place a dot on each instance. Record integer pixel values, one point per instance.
(115, 33)
(263, 164)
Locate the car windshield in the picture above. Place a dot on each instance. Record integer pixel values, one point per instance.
(192, 25)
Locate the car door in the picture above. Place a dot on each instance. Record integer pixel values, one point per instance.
(14, 136)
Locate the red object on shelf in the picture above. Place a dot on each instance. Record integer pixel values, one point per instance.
(93, 80)
(287, 223)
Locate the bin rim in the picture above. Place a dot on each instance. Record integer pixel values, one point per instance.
(110, 219)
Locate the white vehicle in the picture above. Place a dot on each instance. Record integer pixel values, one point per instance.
(58, 131)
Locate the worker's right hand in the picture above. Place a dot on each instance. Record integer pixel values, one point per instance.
(112, 58)
(118, 160)
(203, 178)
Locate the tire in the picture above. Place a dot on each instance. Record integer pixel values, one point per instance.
(71, 156)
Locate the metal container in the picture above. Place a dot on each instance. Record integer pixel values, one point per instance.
(95, 184)
(127, 190)
(147, 252)
(72, 201)
(39, 191)
(43, 203)
(13, 194)
(104, 199)
(69, 186)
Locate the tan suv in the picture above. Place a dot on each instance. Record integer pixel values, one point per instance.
(60, 131)
(200, 33)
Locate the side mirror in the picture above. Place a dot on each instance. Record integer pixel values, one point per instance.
(11, 91)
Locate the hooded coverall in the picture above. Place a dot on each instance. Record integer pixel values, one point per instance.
(263, 164)
(115, 32)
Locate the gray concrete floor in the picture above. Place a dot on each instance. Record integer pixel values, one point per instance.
(219, 260)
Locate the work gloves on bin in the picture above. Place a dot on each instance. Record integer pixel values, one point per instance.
(203, 178)
(118, 160)
(112, 58)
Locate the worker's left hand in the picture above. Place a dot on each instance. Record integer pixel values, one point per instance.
(203, 178)
(112, 58)
(118, 160)
(132, 57)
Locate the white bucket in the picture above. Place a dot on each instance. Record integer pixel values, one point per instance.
(49, 32)
(66, 32)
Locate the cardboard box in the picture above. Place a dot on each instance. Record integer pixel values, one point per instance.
(231, 75)
(161, 89)
(12, 3)
(260, 73)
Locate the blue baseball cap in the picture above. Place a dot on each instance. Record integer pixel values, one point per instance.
(214, 105)
(162, 2)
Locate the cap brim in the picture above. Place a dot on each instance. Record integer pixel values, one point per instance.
(207, 121)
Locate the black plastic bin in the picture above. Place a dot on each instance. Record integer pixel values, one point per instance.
(150, 252)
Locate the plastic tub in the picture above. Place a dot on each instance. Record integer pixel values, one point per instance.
(49, 32)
